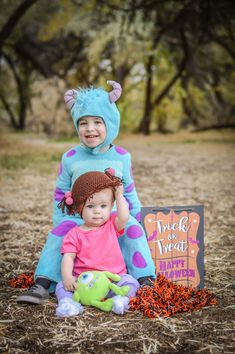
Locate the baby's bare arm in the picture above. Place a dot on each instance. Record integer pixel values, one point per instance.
(69, 280)
(122, 209)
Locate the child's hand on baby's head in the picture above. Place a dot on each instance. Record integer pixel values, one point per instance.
(70, 283)
(119, 190)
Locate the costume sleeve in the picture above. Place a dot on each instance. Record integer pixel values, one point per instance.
(63, 185)
(70, 242)
(129, 188)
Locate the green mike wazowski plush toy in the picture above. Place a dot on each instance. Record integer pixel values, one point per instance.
(94, 286)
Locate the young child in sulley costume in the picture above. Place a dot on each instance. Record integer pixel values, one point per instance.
(97, 120)
(94, 244)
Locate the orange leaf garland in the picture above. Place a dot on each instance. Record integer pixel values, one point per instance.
(24, 280)
(165, 299)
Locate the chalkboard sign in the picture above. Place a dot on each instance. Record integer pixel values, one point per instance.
(176, 240)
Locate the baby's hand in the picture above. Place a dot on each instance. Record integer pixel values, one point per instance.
(119, 190)
(70, 283)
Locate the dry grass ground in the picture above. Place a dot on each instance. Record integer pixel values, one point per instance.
(176, 169)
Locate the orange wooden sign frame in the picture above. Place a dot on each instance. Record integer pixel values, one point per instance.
(176, 240)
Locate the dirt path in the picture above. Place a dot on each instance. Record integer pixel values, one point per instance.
(168, 171)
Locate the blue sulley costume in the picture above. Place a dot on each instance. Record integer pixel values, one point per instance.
(81, 159)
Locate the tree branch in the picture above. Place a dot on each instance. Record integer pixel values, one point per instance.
(29, 56)
(167, 88)
(179, 72)
(224, 45)
(9, 111)
(13, 20)
(20, 87)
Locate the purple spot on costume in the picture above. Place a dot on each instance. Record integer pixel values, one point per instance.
(138, 216)
(130, 188)
(71, 153)
(120, 150)
(134, 231)
(138, 260)
(63, 228)
(58, 194)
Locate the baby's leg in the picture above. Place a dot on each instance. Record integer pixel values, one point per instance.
(128, 280)
(61, 293)
(121, 303)
(66, 305)
(136, 251)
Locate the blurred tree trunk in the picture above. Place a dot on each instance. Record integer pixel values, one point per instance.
(144, 126)
(22, 80)
(121, 72)
(191, 116)
(9, 26)
(17, 116)
(9, 111)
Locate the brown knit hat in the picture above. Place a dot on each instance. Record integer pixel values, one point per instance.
(84, 187)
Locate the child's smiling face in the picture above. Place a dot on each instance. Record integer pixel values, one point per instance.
(92, 131)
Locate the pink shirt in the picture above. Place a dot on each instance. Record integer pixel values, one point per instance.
(95, 249)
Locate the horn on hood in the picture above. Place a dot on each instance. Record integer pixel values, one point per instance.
(116, 92)
(70, 97)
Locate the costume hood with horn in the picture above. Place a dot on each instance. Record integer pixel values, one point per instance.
(96, 102)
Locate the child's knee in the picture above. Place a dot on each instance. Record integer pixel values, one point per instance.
(130, 281)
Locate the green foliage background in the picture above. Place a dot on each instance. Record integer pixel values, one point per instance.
(143, 45)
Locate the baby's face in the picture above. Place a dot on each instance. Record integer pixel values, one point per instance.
(97, 208)
(92, 131)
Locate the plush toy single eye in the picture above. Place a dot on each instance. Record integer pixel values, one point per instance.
(86, 278)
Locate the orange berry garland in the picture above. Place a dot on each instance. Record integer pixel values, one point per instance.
(24, 280)
(165, 299)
